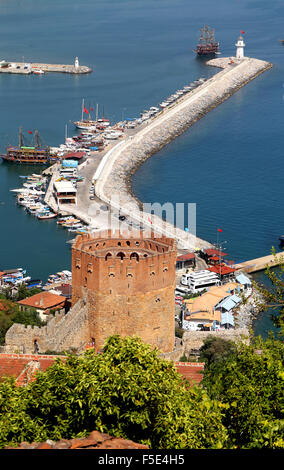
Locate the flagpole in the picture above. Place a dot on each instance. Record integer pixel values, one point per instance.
(83, 104)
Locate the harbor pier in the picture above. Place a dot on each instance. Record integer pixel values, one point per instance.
(260, 264)
(111, 170)
(112, 178)
(26, 68)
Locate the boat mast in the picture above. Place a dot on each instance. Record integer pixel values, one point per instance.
(201, 39)
(21, 139)
(97, 112)
(36, 139)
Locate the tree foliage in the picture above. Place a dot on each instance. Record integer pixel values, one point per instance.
(250, 386)
(274, 296)
(216, 350)
(127, 391)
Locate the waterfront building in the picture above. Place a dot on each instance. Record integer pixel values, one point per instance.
(214, 309)
(65, 192)
(185, 261)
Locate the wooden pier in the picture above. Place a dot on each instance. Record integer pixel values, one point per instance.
(259, 264)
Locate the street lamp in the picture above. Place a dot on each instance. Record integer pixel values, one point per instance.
(122, 114)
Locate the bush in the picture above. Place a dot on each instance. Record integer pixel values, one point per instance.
(250, 386)
(127, 391)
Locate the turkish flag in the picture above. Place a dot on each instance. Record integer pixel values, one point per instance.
(86, 111)
(30, 132)
(219, 229)
(91, 109)
(242, 32)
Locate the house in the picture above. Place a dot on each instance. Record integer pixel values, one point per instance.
(210, 253)
(224, 271)
(44, 303)
(65, 192)
(186, 260)
(213, 309)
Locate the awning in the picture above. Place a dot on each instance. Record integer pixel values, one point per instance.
(227, 318)
(230, 302)
(242, 279)
(236, 299)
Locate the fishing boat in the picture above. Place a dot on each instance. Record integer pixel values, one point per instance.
(38, 72)
(46, 215)
(33, 283)
(207, 44)
(38, 153)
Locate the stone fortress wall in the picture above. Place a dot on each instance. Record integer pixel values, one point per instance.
(119, 286)
(128, 286)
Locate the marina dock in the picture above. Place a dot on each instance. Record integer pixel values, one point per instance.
(110, 170)
(260, 264)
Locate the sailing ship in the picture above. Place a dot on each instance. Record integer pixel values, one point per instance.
(38, 153)
(89, 124)
(207, 44)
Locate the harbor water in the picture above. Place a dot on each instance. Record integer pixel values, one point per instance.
(230, 163)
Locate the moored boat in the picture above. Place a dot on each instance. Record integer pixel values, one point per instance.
(37, 154)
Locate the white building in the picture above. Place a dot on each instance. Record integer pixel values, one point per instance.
(240, 45)
(65, 192)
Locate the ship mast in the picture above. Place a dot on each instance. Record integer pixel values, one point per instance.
(36, 139)
(21, 138)
(202, 37)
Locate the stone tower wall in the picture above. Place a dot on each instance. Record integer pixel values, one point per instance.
(61, 333)
(128, 285)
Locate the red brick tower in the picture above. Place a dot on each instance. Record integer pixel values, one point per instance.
(128, 286)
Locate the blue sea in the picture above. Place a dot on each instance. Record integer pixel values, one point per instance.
(230, 163)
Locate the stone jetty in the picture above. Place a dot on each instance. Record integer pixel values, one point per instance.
(29, 68)
(112, 178)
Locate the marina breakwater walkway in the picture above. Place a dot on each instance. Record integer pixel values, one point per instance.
(260, 264)
(112, 177)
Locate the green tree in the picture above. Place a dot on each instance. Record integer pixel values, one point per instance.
(126, 391)
(250, 386)
(23, 292)
(274, 296)
(216, 350)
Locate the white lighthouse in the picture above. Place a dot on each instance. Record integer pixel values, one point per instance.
(76, 63)
(240, 45)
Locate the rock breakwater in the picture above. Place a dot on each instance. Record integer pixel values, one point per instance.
(124, 159)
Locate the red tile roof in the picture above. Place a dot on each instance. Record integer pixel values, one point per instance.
(224, 269)
(24, 366)
(213, 252)
(191, 371)
(44, 301)
(186, 257)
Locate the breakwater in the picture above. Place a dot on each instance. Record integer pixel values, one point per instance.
(29, 68)
(113, 175)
